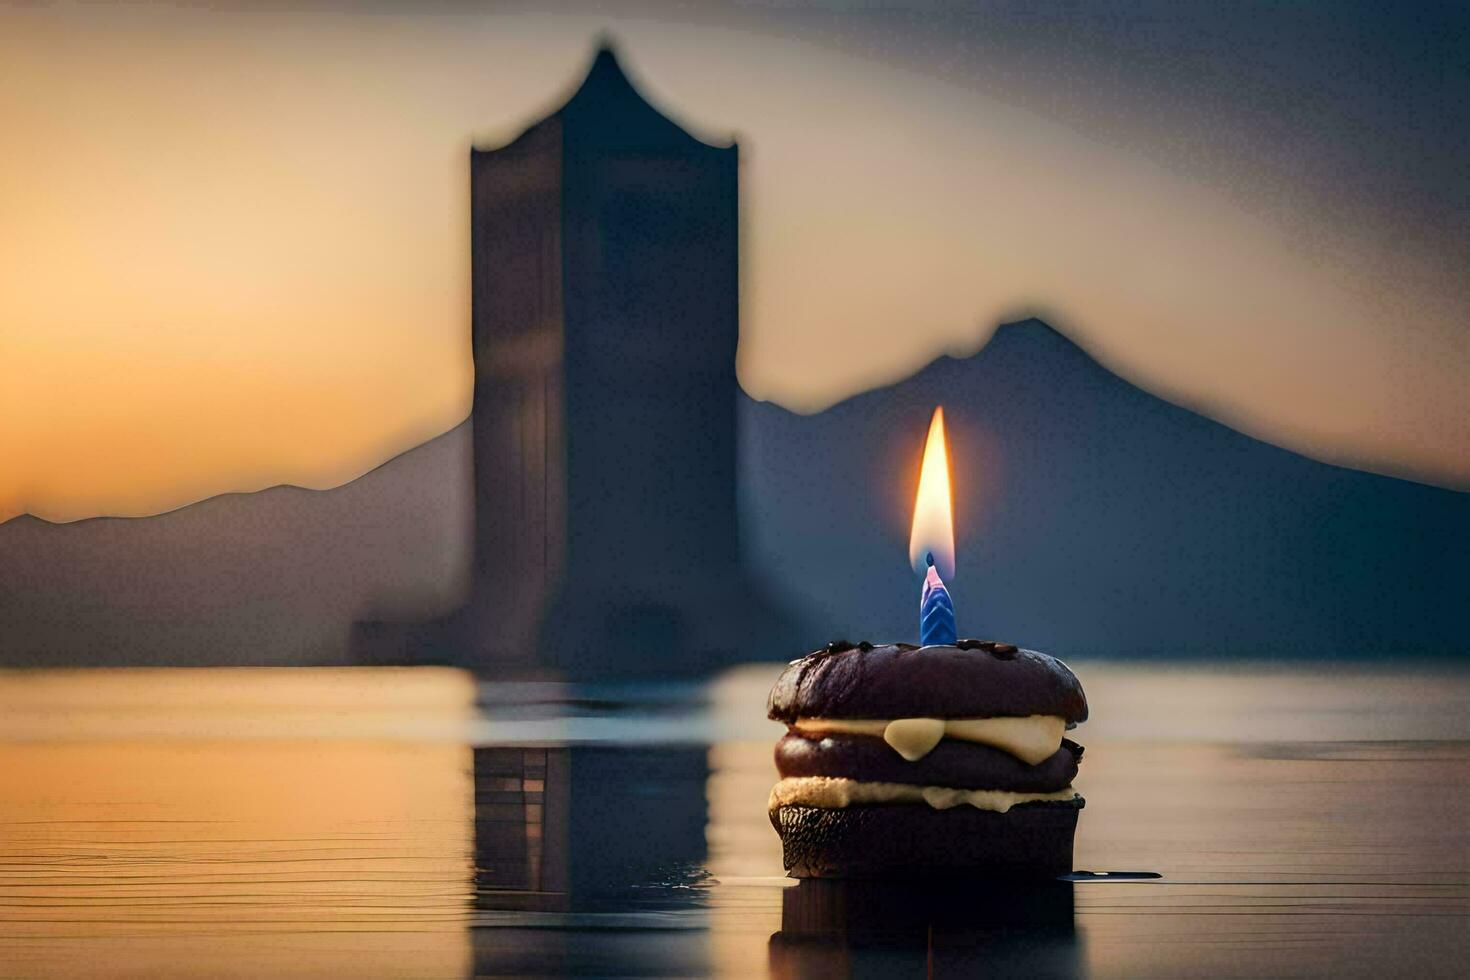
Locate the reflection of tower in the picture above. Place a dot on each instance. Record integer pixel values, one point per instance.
(589, 829)
(606, 316)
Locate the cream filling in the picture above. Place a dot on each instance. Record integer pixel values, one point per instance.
(830, 793)
(1032, 739)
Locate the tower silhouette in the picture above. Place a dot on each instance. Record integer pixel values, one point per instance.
(605, 270)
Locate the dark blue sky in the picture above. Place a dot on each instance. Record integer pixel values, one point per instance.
(1361, 108)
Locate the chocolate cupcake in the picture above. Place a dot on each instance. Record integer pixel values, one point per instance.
(938, 761)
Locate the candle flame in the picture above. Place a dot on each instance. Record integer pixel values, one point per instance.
(933, 528)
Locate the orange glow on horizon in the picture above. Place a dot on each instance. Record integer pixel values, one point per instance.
(933, 527)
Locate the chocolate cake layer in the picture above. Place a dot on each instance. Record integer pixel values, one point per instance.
(901, 681)
(963, 765)
(915, 841)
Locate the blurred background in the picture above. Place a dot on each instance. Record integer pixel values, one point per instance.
(1229, 420)
(513, 391)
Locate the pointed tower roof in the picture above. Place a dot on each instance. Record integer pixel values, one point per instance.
(605, 78)
(608, 112)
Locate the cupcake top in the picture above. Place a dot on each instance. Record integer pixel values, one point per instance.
(973, 679)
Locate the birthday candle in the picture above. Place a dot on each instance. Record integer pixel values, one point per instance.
(936, 611)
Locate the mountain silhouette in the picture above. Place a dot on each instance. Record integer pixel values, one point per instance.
(1095, 518)
(274, 577)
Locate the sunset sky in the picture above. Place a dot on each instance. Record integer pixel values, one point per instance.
(234, 242)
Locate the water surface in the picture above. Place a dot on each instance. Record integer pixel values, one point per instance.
(416, 822)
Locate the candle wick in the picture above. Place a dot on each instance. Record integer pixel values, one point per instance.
(929, 557)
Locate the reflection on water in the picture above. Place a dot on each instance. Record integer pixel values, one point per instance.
(582, 852)
(590, 828)
(882, 929)
(416, 823)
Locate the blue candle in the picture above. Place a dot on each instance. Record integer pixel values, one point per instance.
(936, 611)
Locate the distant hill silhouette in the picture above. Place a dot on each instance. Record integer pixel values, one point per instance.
(1094, 519)
(1097, 519)
(275, 577)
